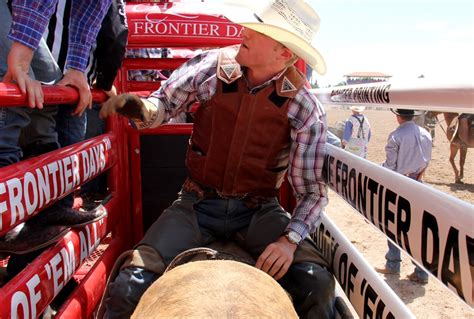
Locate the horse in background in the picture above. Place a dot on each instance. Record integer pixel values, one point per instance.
(460, 134)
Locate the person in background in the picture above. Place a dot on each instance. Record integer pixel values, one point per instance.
(29, 20)
(431, 119)
(408, 152)
(357, 132)
(256, 121)
(104, 61)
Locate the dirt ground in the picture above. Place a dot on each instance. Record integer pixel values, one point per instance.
(432, 300)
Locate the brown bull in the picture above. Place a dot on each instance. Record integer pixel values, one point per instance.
(215, 289)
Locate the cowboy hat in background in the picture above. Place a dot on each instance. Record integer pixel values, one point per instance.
(406, 112)
(358, 108)
(293, 23)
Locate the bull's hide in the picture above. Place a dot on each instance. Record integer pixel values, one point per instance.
(215, 289)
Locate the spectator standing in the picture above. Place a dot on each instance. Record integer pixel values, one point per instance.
(29, 21)
(105, 58)
(408, 152)
(357, 132)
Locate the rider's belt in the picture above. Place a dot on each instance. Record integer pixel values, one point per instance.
(250, 199)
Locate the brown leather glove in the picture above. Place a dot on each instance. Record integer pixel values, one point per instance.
(128, 105)
(140, 111)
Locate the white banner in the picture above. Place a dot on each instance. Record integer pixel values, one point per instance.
(436, 229)
(368, 293)
(418, 95)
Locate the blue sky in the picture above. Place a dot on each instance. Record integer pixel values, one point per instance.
(403, 38)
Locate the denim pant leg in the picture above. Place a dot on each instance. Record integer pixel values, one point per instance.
(95, 126)
(42, 129)
(14, 119)
(126, 290)
(71, 128)
(393, 257)
(176, 230)
(311, 286)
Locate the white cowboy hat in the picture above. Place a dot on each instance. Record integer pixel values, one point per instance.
(357, 108)
(293, 23)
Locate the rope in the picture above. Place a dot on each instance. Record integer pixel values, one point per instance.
(210, 254)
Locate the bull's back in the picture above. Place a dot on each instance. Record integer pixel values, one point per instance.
(215, 289)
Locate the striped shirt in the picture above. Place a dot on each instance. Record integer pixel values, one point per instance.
(31, 18)
(196, 80)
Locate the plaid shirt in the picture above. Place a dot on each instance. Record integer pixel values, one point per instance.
(31, 18)
(196, 81)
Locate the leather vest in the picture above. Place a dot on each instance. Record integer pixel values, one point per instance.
(241, 140)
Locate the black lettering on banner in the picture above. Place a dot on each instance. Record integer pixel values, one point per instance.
(352, 188)
(326, 244)
(325, 172)
(451, 256)
(380, 309)
(338, 177)
(362, 196)
(369, 295)
(386, 94)
(352, 273)
(403, 224)
(373, 187)
(342, 271)
(470, 254)
(390, 197)
(344, 182)
(381, 188)
(375, 94)
(331, 162)
(429, 226)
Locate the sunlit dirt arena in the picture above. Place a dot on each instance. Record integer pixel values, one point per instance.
(432, 300)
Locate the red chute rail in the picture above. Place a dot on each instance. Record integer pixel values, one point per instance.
(29, 186)
(10, 95)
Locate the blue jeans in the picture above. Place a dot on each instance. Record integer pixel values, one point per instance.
(95, 126)
(14, 119)
(394, 259)
(190, 222)
(71, 128)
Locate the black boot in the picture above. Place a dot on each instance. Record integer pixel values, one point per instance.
(31, 236)
(312, 289)
(61, 215)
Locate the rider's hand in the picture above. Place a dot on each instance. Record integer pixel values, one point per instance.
(77, 80)
(277, 258)
(128, 105)
(141, 111)
(18, 61)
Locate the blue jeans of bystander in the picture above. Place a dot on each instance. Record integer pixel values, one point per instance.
(13, 119)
